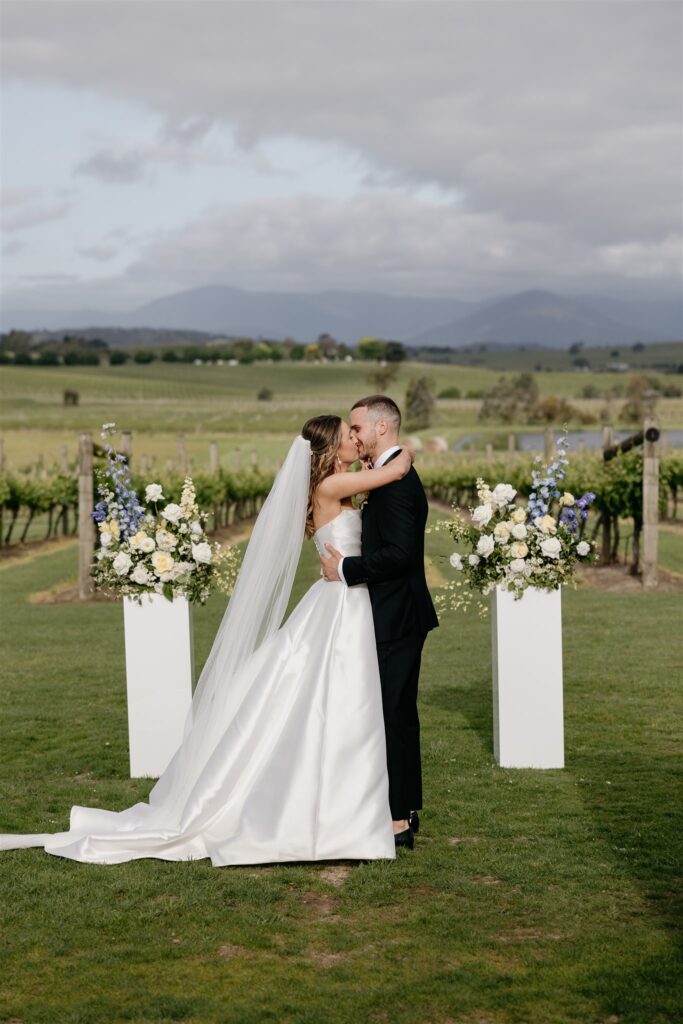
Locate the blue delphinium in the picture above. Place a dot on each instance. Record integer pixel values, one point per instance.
(545, 480)
(573, 515)
(122, 504)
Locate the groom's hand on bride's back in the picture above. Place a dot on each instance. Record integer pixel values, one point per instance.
(330, 564)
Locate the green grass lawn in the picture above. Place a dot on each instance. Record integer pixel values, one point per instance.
(531, 896)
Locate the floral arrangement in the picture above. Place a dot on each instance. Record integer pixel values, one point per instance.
(516, 547)
(156, 546)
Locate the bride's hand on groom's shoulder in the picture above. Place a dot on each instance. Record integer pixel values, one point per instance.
(405, 459)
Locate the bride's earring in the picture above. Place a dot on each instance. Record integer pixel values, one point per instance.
(339, 462)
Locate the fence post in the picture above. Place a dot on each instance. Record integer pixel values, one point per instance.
(549, 443)
(650, 507)
(2, 453)
(606, 552)
(127, 445)
(489, 453)
(512, 443)
(254, 459)
(213, 456)
(64, 458)
(86, 526)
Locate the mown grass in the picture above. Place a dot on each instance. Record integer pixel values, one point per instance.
(531, 896)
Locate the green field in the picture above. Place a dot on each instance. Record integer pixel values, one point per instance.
(531, 897)
(158, 401)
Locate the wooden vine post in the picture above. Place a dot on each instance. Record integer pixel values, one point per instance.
(86, 525)
(648, 437)
(650, 502)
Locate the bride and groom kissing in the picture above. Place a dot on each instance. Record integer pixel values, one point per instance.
(303, 740)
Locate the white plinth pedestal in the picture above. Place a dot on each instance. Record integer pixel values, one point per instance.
(528, 711)
(158, 679)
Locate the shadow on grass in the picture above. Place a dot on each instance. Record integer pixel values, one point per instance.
(473, 703)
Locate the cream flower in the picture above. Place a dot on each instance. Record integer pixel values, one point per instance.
(473, 559)
(546, 524)
(502, 533)
(162, 562)
(567, 499)
(519, 515)
(519, 531)
(147, 544)
(456, 560)
(551, 547)
(106, 539)
(583, 548)
(519, 549)
(517, 565)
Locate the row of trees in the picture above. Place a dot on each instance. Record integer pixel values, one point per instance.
(20, 348)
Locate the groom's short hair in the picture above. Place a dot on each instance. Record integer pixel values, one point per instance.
(381, 407)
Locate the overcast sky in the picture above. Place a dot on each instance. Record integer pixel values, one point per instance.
(452, 148)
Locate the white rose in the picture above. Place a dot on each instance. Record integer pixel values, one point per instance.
(502, 533)
(153, 492)
(165, 540)
(140, 574)
(122, 563)
(503, 494)
(456, 560)
(519, 515)
(519, 531)
(485, 545)
(481, 515)
(147, 544)
(196, 528)
(172, 513)
(201, 552)
(106, 539)
(162, 562)
(473, 559)
(551, 547)
(517, 565)
(519, 549)
(583, 548)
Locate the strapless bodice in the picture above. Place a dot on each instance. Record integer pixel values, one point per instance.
(342, 532)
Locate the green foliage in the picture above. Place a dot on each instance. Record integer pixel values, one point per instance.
(371, 348)
(420, 403)
(510, 399)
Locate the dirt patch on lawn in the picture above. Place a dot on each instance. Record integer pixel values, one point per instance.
(11, 554)
(616, 578)
(335, 874)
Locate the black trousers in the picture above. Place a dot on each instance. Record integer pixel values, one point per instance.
(399, 671)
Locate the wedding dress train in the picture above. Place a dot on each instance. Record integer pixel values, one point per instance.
(295, 769)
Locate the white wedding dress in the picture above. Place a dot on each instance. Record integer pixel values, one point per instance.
(295, 769)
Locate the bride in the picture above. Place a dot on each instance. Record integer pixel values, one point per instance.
(283, 756)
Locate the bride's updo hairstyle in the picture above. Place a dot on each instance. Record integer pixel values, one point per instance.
(324, 433)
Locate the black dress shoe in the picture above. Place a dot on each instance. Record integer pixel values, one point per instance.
(405, 838)
(414, 821)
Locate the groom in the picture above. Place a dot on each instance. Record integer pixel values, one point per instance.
(392, 564)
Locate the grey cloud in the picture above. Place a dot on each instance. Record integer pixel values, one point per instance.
(113, 167)
(32, 216)
(557, 124)
(101, 253)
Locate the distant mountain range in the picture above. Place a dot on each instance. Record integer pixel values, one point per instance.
(534, 318)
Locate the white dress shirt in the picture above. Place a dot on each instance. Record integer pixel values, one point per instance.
(379, 461)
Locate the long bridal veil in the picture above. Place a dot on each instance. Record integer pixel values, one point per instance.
(254, 614)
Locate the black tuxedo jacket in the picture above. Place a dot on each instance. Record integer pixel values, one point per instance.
(392, 559)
